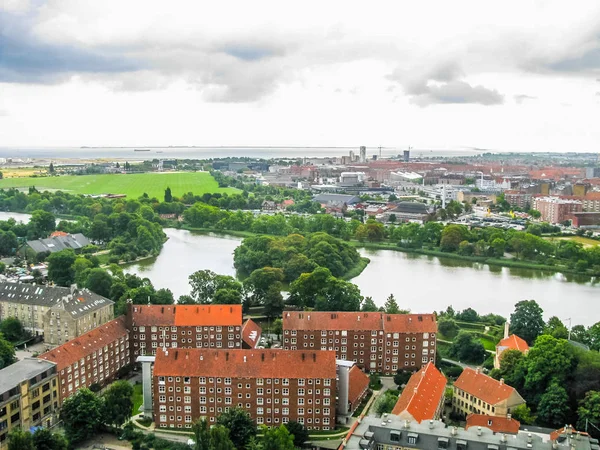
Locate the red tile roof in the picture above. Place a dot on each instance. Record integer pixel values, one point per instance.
(410, 323)
(514, 342)
(246, 363)
(186, 315)
(422, 394)
(496, 424)
(358, 383)
(251, 332)
(404, 323)
(59, 233)
(483, 387)
(75, 349)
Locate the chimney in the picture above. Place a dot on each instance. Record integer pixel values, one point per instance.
(506, 324)
(308, 317)
(478, 431)
(454, 431)
(501, 383)
(509, 416)
(431, 424)
(477, 370)
(73, 289)
(244, 358)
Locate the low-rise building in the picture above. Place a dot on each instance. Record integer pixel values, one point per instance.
(509, 342)
(476, 392)
(373, 433)
(55, 243)
(96, 357)
(56, 313)
(506, 425)
(376, 341)
(273, 386)
(423, 397)
(184, 326)
(586, 219)
(28, 396)
(409, 211)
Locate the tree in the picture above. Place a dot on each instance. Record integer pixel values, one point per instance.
(44, 439)
(391, 306)
(7, 353)
(556, 328)
(589, 409)
(240, 426)
(12, 329)
(220, 439)
(118, 405)
(385, 403)
(273, 303)
(41, 224)
(452, 236)
(554, 408)
(402, 377)
(369, 305)
(81, 415)
(263, 280)
(278, 439)
(19, 439)
(201, 432)
(99, 281)
(527, 321)
(468, 315)
(60, 267)
(448, 327)
(512, 368)
(522, 413)
(168, 195)
(51, 168)
(298, 431)
(467, 347)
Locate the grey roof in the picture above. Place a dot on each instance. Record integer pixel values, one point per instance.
(20, 371)
(394, 431)
(78, 303)
(58, 243)
(337, 198)
(411, 207)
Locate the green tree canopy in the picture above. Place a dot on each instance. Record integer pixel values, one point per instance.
(118, 404)
(240, 426)
(44, 439)
(12, 329)
(60, 267)
(298, 431)
(467, 347)
(278, 439)
(81, 415)
(527, 321)
(7, 353)
(554, 409)
(19, 439)
(391, 305)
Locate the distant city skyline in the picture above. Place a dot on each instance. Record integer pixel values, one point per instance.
(511, 77)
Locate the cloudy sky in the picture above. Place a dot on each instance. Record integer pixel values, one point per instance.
(509, 75)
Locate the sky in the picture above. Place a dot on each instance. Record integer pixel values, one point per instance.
(521, 75)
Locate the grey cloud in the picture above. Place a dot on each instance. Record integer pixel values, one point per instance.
(457, 92)
(252, 52)
(522, 97)
(589, 61)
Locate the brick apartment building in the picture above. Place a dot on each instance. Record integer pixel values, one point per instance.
(518, 199)
(184, 326)
(377, 342)
(555, 209)
(94, 357)
(274, 386)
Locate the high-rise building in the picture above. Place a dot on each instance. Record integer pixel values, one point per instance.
(376, 342)
(406, 155)
(363, 154)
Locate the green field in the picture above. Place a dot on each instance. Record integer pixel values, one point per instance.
(586, 242)
(133, 185)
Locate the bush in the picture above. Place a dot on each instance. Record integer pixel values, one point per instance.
(453, 371)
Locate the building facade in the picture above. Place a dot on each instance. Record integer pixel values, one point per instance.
(28, 396)
(518, 199)
(184, 326)
(555, 209)
(477, 393)
(352, 387)
(376, 342)
(273, 386)
(96, 357)
(56, 313)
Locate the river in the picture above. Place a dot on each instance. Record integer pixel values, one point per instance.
(419, 283)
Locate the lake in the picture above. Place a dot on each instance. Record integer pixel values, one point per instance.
(19, 217)
(419, 283)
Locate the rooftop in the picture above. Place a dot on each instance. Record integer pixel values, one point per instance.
(246, 363)
(496, 424)
(13, 375)
(404, 323)
(358, 381)
(56, 243)
(186, 315)
(342, 198)
(251, 332)
(483, 386)
(78, 302)
(75, 349)
(513, 342)
(422, 394)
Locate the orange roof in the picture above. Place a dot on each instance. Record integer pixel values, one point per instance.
(251, 332)
(483, 387)
(410, 323)
(496, 424)
(246, 363)
(568, 430)
(422, 394)
(59, 233)
(404, 323)
(186, 315)
(358, 382)
(514, 342)
(75, 349)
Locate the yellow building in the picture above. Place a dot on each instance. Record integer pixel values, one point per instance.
(28, 396)
(477, 393)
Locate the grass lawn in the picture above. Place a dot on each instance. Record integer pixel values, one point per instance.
(488, 344)
(138, 398)
(587, 242)
(133, 185)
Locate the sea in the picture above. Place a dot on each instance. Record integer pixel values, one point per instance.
(134, 153)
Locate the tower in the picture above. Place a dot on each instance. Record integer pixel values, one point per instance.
(363, 154)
